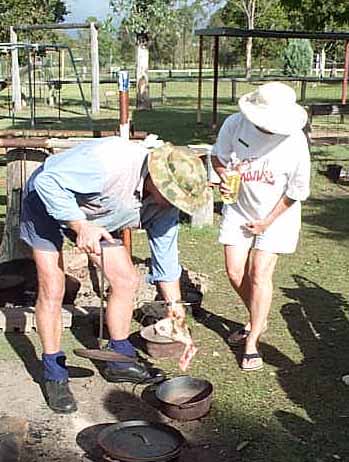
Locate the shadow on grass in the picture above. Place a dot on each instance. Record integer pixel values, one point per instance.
(332, 215)
(218, 324)
(318, 323)
(206, 438)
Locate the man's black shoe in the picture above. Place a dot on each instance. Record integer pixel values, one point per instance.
(134, 373)
(59, 397)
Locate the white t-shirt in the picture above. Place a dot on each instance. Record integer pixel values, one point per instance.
(271, 165)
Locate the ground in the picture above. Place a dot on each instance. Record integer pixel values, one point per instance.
(47, 436)
(295, 410)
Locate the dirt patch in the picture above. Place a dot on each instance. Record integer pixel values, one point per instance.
(72, 438)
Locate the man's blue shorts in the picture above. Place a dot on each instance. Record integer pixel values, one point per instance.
(42, 232)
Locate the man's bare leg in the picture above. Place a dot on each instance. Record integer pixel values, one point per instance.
(48, 308)
(51, 286)
(124, 280)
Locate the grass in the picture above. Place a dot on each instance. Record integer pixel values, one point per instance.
(296, 409)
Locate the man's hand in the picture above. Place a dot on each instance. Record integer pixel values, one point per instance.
(88, 236)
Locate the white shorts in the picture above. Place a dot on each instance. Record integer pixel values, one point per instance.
(276, 238)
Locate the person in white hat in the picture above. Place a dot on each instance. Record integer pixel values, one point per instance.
(266, 145)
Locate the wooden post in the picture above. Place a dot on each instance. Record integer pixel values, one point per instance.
(233, 91)
(20, 164)
(16, 83)
(163, 92)
(204, 216)
(95, 69)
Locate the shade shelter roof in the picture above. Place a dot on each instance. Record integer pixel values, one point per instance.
(218, 32)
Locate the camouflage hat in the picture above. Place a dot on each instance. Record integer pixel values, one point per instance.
(180, 176)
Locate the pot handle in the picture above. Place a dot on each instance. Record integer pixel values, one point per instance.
(194, 400)
(143, 438)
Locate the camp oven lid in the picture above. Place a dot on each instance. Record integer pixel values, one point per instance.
(141, 441)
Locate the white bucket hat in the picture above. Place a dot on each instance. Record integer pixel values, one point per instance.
(273, 107)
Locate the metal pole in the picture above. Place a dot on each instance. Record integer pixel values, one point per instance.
(32, 121)
(215, 81)
(101, 308)
(124, 103)
(34, 85)
(125, 133)
(198, 114)
(80, 87)
(59, 84)
(345, 74)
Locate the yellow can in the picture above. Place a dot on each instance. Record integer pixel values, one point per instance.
(233, 180)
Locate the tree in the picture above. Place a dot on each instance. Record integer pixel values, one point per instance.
(176, 46)
(298, 57)
(15, 12)
(321, 16)
(251, 14)
(317, 15)
(144, 20)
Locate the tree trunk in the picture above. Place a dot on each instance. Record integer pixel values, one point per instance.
(248, 57)
(16, 80)
(142, 77)
(20, 164)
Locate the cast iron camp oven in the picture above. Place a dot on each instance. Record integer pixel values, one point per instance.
(158, 346)
(184, 397)
(141, 441)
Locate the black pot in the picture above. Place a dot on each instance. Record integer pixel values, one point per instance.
(141, 441)
(185, 398)
(334, 171)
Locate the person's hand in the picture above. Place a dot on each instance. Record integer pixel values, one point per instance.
(256, 227)
(88, 237)
(224, 189)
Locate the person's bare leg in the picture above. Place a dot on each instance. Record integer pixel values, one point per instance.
(48, 308)
(124, 280)
(261, 270)
(48, 312)
(236, 264)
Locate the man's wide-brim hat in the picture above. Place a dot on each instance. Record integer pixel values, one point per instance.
(273, 107)
(180, 177)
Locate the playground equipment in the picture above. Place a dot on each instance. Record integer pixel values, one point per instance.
(33, 51)
(66, 26)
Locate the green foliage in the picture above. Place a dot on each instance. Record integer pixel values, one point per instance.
(318, 15)
(16, 12)
(298, 57)
(269, 15)
(142, 17)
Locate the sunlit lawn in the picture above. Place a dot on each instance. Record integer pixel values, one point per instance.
(296, 410)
